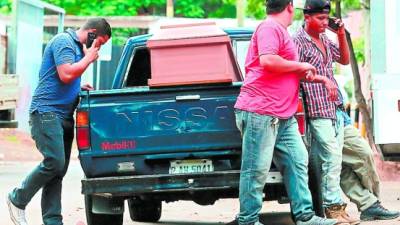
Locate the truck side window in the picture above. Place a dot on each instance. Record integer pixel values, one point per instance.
(140, 69)
(240, 49)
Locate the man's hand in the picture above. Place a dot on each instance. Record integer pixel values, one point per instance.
(307, 70)
(87, 87)
(341, 30)
(310, 76)
(93, 52)
(329, 85)
(344, 58)
(331, 88)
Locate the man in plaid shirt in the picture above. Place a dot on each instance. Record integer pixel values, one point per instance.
(325, 113)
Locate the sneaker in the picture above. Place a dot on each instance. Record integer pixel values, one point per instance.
(17, 215)
(378, 212)
(315, 220)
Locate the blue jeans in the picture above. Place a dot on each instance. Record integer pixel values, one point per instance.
(326, 144)
(53, 137)
(264, 141)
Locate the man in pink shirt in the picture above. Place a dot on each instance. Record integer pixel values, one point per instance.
(264, 115)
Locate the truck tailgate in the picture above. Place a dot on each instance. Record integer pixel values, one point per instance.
(141, 124)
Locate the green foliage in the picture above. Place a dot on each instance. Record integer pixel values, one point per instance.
(182, 8)
(221, 9)
(119, 35)
(190, 8)
(349, 88)
(5, 6)
(351, 4)
(358, 45)
(109, 8)
(346, 6)
(256, 9)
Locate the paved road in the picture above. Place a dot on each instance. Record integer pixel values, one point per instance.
(178, 213)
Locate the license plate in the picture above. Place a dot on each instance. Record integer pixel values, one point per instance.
(191, 166)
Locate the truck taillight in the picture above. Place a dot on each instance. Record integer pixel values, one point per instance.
(82, 119)
(300, 116)
(82, 130)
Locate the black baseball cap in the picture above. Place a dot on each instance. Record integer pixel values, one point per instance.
(317, 6)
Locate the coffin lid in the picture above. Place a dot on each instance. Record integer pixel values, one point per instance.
(187, 31)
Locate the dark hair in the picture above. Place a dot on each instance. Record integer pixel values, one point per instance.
(276, 6)
(100, 24)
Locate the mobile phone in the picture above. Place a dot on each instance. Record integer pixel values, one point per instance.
(332, 25)
(90, 38)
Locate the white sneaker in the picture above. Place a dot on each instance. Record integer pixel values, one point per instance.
(17, 215)
(315, 220)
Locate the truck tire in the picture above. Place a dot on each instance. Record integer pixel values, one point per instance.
(100, 219)
(144, 210)
(314, 181)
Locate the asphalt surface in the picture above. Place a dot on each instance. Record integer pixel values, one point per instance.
(177, 213)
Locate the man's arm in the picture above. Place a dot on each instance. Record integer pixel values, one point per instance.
(277, 64)
(344, 51)
(329, 85)
(69, 72)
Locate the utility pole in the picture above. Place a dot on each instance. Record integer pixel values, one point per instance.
(240, 12)
(170, 8)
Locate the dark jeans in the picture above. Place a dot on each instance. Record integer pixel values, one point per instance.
(53, 137)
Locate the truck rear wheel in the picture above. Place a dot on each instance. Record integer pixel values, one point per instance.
(100, 219)
(144, 210)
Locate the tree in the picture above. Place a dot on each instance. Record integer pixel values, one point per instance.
(360, 99)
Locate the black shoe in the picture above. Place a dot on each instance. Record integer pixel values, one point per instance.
(377, 212)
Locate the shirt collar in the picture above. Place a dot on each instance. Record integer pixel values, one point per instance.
(304, 34)
(74, 36)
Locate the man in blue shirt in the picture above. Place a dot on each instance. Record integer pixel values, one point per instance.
(65, 59)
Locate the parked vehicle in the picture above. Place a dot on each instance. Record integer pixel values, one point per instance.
(8, 100)
(149, 145)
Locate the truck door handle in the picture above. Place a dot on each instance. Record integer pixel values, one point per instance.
(187, 97)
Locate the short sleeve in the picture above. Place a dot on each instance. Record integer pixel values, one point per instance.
(334, 50)
(63, 50)
(268, 40)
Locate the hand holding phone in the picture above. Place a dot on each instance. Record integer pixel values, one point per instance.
(90, 38)
(332, 24)
(92, 52)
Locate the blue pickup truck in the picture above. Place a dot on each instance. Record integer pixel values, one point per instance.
(152, 145)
